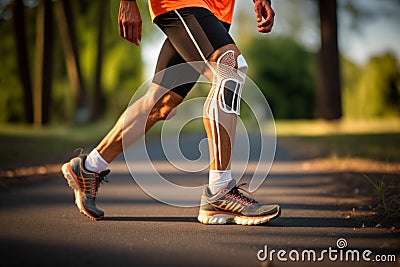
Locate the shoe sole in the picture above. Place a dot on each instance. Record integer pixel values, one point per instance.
(73, 182)
(207, 217)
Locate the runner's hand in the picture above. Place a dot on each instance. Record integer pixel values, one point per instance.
(264, 10)
(130, 22)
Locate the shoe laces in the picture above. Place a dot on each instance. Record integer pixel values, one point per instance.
(240, 196)
(99, 178)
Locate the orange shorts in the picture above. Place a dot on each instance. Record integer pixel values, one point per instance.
(222, 9)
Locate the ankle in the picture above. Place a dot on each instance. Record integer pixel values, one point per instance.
(219, 180)
(95, 162)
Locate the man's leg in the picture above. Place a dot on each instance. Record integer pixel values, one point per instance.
(223, 202)
(198, 36)
(144, 113)
(84, 174)
(221, 110)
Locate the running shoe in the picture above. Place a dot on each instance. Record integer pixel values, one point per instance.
(85, 185)
(229, 205)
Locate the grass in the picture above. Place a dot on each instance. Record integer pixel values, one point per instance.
(382, 147)
(371, 139)
(341, 127)
(382, 188)
(23, 146)
(388, 194)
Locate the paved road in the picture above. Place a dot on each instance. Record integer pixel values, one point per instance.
(40, 226)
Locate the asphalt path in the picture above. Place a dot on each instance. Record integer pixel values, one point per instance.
(40, 226)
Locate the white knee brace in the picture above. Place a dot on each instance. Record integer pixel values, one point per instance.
(225, 94)
(228, 83)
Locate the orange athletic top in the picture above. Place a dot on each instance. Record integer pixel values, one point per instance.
(222, 9)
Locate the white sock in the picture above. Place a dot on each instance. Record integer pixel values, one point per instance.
(95, 162)
(218, 180)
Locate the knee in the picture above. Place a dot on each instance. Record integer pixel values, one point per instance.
(231, 64)
(229, 78)
(229, 56)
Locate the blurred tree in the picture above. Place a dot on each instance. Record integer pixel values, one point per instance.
(360, 13)
(11, 91)
(44, 57)
(123, 67)
(285, 73)
(96, 110)
(18, 15)
(111, 68)
(65, 21)
(297, 20)
(328, 94)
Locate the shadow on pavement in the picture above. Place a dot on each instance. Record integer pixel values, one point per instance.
(320, 222)
(150, 219)
(280, 222)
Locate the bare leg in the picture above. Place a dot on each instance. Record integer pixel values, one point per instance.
(220, 133)
(143, 114)
(220, 148)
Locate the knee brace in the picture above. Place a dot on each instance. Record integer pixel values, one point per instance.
(225, 94)
(228, 82)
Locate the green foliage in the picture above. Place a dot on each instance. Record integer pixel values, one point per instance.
(373, 90)
(122, 64)
(121, 73)
(10, 90)
(285, 73)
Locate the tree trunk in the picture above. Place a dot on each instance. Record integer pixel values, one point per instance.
(97, 91)
(329, 105)
(68, 37)
(22, 58)
(44, 57)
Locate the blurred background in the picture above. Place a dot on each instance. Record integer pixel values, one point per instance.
(64, 62)
(328, 68)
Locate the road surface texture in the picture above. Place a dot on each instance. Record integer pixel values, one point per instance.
(40, 226)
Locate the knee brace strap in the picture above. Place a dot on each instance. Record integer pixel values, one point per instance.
(242, 66)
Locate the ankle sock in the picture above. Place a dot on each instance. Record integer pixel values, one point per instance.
(218, 180)
(95, 162)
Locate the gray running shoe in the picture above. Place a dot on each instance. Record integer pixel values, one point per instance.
(231, 206)
(85, 185)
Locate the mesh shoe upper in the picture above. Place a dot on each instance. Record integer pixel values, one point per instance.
(231, 200)
(89, 183)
